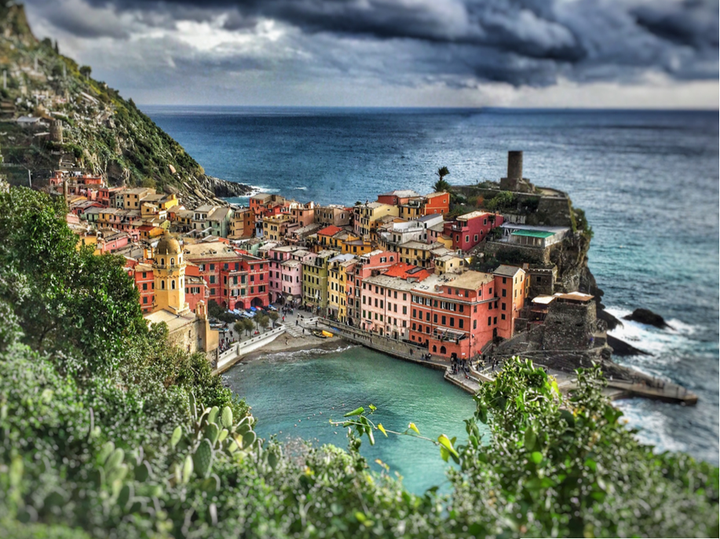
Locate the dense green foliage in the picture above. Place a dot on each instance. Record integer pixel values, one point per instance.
(106, 431)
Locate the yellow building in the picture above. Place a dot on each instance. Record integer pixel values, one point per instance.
(169, 273)
(357, 247)
(367, 215)
(275, 227)
(337, 285)
(187, 330)
(417, 253)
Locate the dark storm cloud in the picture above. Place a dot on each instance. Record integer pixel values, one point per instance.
(521, 42)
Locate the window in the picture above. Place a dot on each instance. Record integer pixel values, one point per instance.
(504, 280)
(144, 276)
(504, 307)
(212, 267)
(502, 317)
(443, 321)
(162, 285)
(460, 323)
(452, 322)
(495, 320)
(489, 320)
(404, 309)
(475, 237)
(467, 238)
(427, 317)
(504, 293)
(414, 314)
(145, 299)
(212, 279)
(435, 318)
(144, 286)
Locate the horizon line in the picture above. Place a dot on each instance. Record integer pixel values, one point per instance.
(425, 107)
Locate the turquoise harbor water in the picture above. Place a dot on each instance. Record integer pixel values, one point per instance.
(648, 181)
(295, 395)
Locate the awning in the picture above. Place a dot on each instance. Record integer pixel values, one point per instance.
(253, 308)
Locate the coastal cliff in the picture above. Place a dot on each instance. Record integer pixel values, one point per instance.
(73, 121)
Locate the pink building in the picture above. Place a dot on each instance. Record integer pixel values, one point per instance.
(372, 263)
(470, 229)
(280, 278)
(386, 300)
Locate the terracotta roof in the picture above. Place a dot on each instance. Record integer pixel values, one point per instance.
(329, 230)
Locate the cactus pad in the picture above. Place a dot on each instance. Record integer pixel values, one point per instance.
(203, 458)
(227, 417)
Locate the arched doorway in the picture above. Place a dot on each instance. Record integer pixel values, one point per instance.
(256, 302)
(443, 350)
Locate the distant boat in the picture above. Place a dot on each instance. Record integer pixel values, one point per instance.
(322, 334)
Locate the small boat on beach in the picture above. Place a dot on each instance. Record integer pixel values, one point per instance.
(322, 334)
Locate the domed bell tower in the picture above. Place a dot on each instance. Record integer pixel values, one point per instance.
(169, 272)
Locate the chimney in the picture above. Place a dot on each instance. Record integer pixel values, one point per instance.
(515, 165)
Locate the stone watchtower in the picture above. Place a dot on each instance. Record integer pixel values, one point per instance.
(169, 273)
(56, 131)
(515, 180)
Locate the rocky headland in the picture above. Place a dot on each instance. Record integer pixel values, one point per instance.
(70, 121)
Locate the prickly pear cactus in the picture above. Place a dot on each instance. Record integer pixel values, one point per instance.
(212, 432)
(227, 417)
(203, 458)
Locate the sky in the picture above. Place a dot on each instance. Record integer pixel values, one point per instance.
(437, 53)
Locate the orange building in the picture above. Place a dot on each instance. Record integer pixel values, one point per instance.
(436, 203)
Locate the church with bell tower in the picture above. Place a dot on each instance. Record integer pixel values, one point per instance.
(186, 329)
(169, 274)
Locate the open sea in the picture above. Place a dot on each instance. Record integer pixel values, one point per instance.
(648, 181)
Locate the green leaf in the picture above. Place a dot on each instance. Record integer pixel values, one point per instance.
(536, 457)
(372, 408)
(382, 429)
(530, 438)
(176, 435)
(356, 411)
(187, 469)
(412, 426)
(447, 444)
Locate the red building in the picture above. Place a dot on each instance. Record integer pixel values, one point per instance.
(470, 229)
(142, 274)
(104, 195)
(456, 316)
(235, 279)
(196, 289)
(397, 197)
(436, 203)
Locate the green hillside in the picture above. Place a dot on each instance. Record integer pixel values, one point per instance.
(102, 132)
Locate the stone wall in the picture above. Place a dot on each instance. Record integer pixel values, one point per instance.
(569, 326)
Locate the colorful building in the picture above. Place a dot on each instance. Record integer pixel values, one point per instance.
(243, 224)
(276, 226)
(436, 203)
(369, 264)
(386, 300)
(511, 287)
(337, 281)
(366, 217)
(315, 280)
(236, 279)
(455, 316)
(333, 214)
(470, 229)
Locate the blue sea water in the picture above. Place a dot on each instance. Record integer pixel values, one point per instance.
(648, 181)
